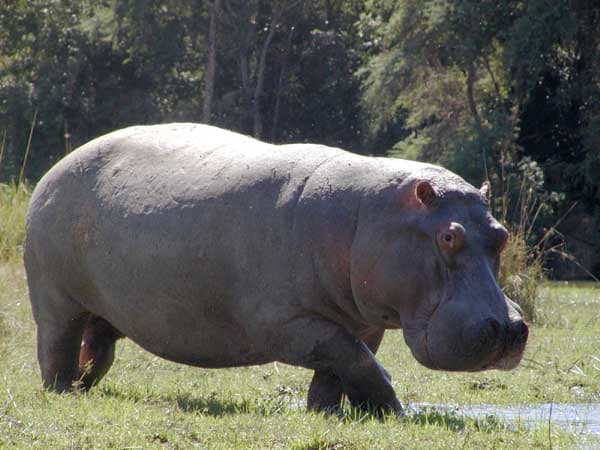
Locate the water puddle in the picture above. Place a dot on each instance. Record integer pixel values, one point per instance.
(574, 417)
(579, 418)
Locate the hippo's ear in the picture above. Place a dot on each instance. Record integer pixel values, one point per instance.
(486, 191)
(426, 194)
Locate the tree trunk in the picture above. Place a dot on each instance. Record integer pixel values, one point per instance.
(260, 73)
(280, 84)
(211, 65)
(244, 71)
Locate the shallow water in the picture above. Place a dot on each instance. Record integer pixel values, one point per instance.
(575, 417)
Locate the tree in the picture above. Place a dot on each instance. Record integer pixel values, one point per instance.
(284, 70)
(492, 89)
(209, 77)
(89, 68)
(462, 73)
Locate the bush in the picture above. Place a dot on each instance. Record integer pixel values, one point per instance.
(521, 274)
(13, 208)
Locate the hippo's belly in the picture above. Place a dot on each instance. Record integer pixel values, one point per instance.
(187, 289)
(201, 337)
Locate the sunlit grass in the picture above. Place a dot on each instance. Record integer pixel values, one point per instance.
(13, 207)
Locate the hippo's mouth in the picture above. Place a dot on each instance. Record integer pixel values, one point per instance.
(513, 347)
(508, 360)
(505, 358)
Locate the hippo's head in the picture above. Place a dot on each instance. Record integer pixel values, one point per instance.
(425, 259)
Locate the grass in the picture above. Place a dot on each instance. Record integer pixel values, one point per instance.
(146, 402)
(13, 206)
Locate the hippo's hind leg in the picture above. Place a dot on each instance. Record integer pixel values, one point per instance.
(60, 323)
(75, 348)
(97, 350)
(326, 391)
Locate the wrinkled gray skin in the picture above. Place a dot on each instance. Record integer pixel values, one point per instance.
(212, 249)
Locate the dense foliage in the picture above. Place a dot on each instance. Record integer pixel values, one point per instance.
(502, 90)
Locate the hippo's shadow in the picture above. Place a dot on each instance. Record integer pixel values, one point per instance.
(212, 405)
(453, 420)
(215, 405)
(443, 419)
(423, 416)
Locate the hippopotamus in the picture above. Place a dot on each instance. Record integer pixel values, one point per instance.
(213, 249)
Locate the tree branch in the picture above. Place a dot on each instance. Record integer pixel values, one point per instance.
(486, 61)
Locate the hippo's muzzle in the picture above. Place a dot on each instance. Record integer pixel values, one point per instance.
(511, 339)
(449, 342)
(496, 345)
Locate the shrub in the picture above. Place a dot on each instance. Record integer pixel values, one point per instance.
(521, 274)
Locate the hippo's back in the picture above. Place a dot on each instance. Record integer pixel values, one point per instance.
(158, 175)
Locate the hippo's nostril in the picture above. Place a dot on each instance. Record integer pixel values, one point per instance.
(521, 331)
(518, 332)
(494, 326)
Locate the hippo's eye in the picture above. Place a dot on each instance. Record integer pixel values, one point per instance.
(451, 238)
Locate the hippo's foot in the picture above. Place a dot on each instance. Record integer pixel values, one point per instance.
(373, 395)
(378, 407)
(326, 392)
(97, 351)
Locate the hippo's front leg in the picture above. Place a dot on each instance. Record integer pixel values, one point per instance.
(337, 355)
(325, 392)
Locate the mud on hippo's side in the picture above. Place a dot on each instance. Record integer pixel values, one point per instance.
(213, 249)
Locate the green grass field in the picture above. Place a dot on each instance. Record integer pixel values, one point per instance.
(146, 402)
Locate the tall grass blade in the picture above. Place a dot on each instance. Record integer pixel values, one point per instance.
(28, 147)
(2, 147)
